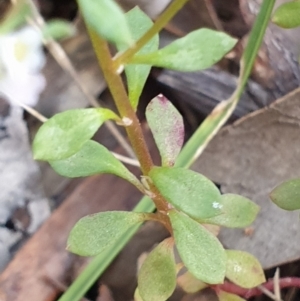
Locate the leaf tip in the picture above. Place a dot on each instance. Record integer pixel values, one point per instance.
(162, 98)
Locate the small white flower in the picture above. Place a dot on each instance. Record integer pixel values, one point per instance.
(21, 61)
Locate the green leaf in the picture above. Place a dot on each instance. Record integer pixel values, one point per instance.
(244, 269)
(188, 191)
(137, 75)
(287, 15)
(157, 276)
(200, 251)
(224, 296)
(237, 212)
(107, 19)
(198, 50)
(167, 127)
(58, 29)
(218, 117)
(287, 195)
(65, 133)
(94, 233)
(93, 158)
(190, 284)
(16, 17)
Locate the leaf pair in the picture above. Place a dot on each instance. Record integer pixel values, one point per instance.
(64, 141)
(205, 258)
(198, 197)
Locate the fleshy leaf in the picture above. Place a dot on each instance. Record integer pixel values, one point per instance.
(237, 212)
(287, 15)
(244, 269)
(200, 251)
(287, 195)
(167, 127)
(224, 296)
(93, 158)
(58, 29)
(94, 233)
(157, 276)
(188, 191)
(198, 50)
(107, 19)
(190, 284)
(137, 75)
(65, 133)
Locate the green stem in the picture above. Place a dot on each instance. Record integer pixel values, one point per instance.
(255, 40)
(159, 24)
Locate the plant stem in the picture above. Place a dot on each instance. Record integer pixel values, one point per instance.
(98, 265)
(116, 86)
(134, 130)
(254, 292)
(159, 24)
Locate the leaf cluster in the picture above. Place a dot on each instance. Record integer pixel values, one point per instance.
(191, 200)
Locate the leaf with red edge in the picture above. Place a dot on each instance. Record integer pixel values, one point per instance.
(167, 127)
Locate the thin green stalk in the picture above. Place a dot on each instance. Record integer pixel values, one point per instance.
(254, 42)
(94, 270)
(159, 24)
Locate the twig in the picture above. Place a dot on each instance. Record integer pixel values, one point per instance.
(63, 60)
(33, 112)
(213, 15)
(277, 285)
(126, 160)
